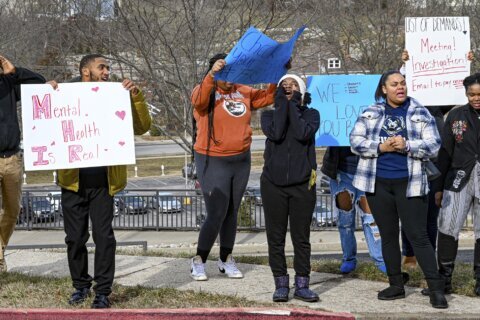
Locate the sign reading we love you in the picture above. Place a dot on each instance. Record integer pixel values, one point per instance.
(340, 99)
(84, 124)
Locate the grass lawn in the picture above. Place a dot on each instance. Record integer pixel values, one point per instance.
(22, 291)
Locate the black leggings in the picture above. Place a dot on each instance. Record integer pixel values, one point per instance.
(432, 227)
(223, 184)
(389, 204)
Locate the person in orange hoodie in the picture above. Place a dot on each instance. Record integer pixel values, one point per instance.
(222, 112)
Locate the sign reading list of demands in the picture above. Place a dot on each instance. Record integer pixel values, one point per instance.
(438, 49)
(340, 99)
(84, 124)
(257, 59)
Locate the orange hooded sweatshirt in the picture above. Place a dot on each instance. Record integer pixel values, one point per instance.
(232, 114)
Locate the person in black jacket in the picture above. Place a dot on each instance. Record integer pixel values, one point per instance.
(11, 157)
(457, 191)
(288, 184)
(438, 112)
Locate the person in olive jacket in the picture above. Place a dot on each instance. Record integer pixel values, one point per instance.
(288, 184)
(88, 193)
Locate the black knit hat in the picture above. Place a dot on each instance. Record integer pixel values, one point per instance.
(214, 59)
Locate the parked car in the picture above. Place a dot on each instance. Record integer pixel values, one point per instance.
(324, 184)
(166, 202)
(130, 204)
(55, 198)
(25, 211)
(323, 216)
(197, 187)
(254, 193)
(190, 170)
(200, 219)
(36, 209)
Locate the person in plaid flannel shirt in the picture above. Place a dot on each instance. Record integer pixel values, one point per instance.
(393, 138)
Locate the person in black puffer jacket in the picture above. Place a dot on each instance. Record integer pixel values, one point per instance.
(288, 184)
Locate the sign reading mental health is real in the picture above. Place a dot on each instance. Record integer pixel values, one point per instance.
(340, 99)
(438, 49)
(256, 58)
(84, 124)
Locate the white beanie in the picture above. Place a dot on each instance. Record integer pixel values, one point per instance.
(301, 83)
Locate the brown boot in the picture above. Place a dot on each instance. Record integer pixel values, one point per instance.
(3, 263)
(410, 263)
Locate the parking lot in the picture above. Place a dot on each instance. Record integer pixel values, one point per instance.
(159, 203)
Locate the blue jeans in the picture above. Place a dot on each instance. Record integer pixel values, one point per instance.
(346, 221)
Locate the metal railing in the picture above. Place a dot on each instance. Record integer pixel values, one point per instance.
(148, 209)
(173, 209)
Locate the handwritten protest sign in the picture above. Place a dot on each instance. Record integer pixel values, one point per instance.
(257, 59)
(340, 99)
(85, 124)
(438, 48)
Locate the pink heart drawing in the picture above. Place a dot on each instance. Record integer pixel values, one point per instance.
(120, 114)
(121, 143)
(33, 128)
(95, 89)
(53, 143)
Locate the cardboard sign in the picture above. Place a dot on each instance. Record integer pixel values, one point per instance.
(84, 124)
(257, 59)
(438, 49)
(340, 99)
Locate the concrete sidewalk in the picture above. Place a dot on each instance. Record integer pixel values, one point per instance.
(247, 243)
(337, 293)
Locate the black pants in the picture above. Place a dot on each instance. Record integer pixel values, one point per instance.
(97, 204)
(223, 182)
(389, 204)
(281, 205)
(432, 227)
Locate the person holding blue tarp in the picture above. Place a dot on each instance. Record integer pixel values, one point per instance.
(288, 184)
(222, 112)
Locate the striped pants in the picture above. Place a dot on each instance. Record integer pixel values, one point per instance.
(457, 205)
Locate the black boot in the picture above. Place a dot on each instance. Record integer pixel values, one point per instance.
(437, 296)
(302, 290)
(396, 289)
(476, 266)
(447, 253)
(282, 288)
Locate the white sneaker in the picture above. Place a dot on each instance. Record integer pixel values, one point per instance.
(197, 269)
(229, 268)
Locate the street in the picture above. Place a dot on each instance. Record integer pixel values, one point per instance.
(169, 148)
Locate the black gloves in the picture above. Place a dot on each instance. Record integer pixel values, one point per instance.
(307, 98)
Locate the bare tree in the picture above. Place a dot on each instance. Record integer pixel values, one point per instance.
(165, 44)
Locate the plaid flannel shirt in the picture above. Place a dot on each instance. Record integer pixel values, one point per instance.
(423, 142)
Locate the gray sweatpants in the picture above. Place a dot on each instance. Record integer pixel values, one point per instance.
(223, 184)
(457, 205)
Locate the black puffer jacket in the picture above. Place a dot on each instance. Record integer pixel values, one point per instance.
(290, 147)
(9, 95)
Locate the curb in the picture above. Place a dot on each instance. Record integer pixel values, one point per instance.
(178, 314)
